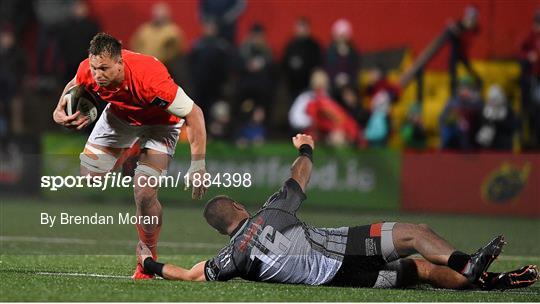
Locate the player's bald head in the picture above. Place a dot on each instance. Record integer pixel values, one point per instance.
(221, 211)
(105, 45)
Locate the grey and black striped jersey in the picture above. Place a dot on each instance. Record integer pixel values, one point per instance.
(275, 246)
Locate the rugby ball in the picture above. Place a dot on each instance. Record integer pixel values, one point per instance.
(79, 99)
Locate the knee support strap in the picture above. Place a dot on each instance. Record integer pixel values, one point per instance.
(143, 168)
(96, 160)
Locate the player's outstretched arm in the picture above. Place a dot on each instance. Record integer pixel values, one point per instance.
(196, 273)
(59, 113)
(168, 271)
(196, 132)
(301, 168)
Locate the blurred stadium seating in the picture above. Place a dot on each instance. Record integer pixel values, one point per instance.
(390, 34)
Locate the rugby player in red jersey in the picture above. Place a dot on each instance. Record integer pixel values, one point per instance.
(145, 105)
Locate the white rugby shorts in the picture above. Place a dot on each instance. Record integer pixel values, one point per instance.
(111, 131)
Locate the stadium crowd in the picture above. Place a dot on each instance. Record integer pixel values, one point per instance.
(236, 83)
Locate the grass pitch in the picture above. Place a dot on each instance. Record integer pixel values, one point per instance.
(93, 263)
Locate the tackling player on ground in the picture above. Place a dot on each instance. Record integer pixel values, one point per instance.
(273, 245)
(144, 105)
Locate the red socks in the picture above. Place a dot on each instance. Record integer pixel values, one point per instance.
(149, 238)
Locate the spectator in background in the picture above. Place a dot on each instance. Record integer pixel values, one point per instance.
(159, 37)
(377, 81)
(253, 132)
(19, 15)
(74, 36)
(498, 122)
(299, 120)
(302, 56)
(13, 68)
(350, 100)
(209, 60)
(225, 13)
(378, 127)
(461, 34)
(256, 72)
(342, 58)
(50, 15)
(461, 117)
(530, 80)
(314, 112)
(412, 130)
(382, 93)
(220, 121)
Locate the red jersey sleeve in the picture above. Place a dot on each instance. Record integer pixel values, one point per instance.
(159, 88)
(84, 76)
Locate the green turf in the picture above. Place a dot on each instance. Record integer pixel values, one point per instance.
(28, 248)
(21, 282)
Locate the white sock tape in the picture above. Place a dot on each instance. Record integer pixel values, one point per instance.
(197, 165)
(147, 170)
(96, 160)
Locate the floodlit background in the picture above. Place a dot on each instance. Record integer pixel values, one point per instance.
(423, 111)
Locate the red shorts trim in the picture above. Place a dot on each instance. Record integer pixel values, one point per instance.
(375, 230)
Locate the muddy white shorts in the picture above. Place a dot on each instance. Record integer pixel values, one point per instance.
(111, 131)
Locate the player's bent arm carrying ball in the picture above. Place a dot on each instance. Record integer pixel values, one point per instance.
(144, 105)
(273, 245)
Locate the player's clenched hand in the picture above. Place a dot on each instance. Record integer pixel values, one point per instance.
(69, 121)
(301, 139)
(143, 252)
